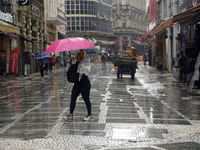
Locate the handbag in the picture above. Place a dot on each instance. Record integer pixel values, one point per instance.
(72, 75)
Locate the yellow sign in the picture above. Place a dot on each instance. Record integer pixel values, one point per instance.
(9, 29)
(14, 55)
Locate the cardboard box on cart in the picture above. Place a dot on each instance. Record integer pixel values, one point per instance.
(130, 52)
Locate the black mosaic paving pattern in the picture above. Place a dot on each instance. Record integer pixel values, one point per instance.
(181, 146)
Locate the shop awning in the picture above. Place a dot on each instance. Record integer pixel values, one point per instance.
(143, 36)
(10, 34)
(105, 42)
(92, 39)
(9, 28)
(139, 42)
(146, 36)
(162, 26)
(187, 13)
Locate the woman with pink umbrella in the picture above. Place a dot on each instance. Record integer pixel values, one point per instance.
(83, 65)
(83, 85)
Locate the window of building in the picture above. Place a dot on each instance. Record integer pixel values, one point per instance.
(33, 22)
(89, 23)
(34, 34)
(19, 16)
(68, 7)
(123, 2)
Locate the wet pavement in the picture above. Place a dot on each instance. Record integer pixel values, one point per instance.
(151, 112)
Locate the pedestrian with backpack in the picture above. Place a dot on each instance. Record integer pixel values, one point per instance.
(82, 86)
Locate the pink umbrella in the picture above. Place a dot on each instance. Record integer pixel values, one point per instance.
(68, 44)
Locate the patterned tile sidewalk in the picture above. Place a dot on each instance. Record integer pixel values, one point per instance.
(151, 112)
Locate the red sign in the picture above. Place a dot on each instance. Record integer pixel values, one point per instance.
(152, 14)
(14, 56)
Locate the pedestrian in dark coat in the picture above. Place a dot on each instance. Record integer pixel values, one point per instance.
(41, 67)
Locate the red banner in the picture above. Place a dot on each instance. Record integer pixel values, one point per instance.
(14, 56)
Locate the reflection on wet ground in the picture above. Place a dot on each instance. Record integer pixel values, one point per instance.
(152, 108)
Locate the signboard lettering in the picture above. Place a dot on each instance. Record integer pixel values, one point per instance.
(6, 17)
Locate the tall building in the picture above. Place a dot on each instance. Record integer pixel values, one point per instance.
(91, 19)
(55, 20)
(129, 21)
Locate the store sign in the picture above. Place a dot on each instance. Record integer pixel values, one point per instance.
(14, 56)
(24, 2)
(195, 2)
(6, 17)
(152, 24)
(35, 10)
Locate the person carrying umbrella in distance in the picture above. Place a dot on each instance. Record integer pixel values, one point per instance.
(83, 86)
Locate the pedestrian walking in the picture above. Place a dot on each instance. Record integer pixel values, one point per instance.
(51, 63)
(57, 62)
(176, 66)
(64, 62)
(2, 64)
(145, 58)
(27, 66)
(46, 63)
(41, 67)
(103, 62)
(83, 86)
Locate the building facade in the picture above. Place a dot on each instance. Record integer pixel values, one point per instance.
(91, 19)
(176, 31)
(55, 20)
(9, 31)
(129, 21)
(31, 26)
(30, 18)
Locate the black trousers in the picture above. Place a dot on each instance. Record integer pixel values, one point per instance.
(42, 72)
(50, 66)
(46, 66)
(83, 87)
